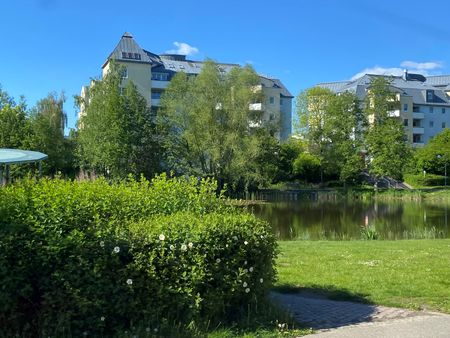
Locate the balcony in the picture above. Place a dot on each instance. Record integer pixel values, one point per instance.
(159, 84)
(394, 113)
(256, 106)
(418, 130)
(418, 144)
(418, 116)
(156, 102)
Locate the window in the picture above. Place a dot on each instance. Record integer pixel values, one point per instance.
(271, 100)
(443, 110)
(160, 76)
(156, 95)
(405, 122)
(135, 56)
(430, 95)
(443, 124)
(417, 138)
(124, 73)
(431, 124)
(405, 107)
(431, 110)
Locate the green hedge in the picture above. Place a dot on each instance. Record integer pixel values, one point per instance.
(428, 180)
(100, 258)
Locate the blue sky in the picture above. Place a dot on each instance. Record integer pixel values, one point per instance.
(58, 45)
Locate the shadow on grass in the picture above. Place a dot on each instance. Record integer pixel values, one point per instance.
(324, 307)
(323, 291)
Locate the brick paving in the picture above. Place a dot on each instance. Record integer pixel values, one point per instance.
(323, 314)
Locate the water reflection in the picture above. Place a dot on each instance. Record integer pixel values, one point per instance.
(344, 219)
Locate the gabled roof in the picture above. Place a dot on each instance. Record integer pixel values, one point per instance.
(128, 50)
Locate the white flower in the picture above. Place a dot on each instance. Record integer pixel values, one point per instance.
(129, 281)
(247, 290)
(147, 329)
(190, 245)
(261, 280)
(244, 284)
(245, 242)
(116, 249)
(245, 263)
(251, 269)
(218, 260)
(183, 247)
(162, 237)
(235, 238)
(226, 245)
(102, 318)
(172, 247)
(102, 244)
(156, 330)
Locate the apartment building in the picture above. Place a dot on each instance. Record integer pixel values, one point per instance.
(424, 102)
(151, 73)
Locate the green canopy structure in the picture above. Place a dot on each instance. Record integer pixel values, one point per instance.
(17, 156)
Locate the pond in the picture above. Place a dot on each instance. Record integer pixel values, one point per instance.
(341, 220)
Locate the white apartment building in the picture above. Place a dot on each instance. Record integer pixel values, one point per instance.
(151, 73)
(424, 102)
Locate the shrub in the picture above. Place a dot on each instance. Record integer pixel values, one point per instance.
(99, 258)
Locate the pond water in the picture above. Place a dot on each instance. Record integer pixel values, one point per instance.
(340, 220)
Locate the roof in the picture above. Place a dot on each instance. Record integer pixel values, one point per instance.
(411, 87)
(17, 156)
(128, 50)
(176, 63)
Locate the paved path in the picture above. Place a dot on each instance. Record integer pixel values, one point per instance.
(348, 319)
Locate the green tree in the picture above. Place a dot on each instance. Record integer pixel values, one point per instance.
(13, 122)
(433, 156)
(385, 138)
(208, 129)
(116, 131)
(332, 126)
(47, 122)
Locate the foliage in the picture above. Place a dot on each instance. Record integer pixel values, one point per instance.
(103, 258)
(369, 233)
(308, 167)
(207, 128)
(47, 122)
(332, 125)
(13, 122)
(433, 156)
(385, 141)
(116, 131)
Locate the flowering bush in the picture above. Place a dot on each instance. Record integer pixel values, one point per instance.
(95, 258)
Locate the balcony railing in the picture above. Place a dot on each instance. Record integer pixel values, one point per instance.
(159, 84)
(394, 113)
(418, 115)
(256, 106)
(418, 130)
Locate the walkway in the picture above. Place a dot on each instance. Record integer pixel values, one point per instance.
(335, 319)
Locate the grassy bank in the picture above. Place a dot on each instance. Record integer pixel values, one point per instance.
(411, 273)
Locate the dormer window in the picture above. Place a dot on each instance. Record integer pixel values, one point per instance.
(430, 95)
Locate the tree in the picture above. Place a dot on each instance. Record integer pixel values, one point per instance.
(433, 156)
(385, 138)
(208, 129)
(332, 126)
(13, 122)
(116, 132)
(47, 122)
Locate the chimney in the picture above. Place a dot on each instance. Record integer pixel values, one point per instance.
(405, 74)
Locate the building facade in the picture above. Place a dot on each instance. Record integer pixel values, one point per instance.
(424, 102)
(151, 73)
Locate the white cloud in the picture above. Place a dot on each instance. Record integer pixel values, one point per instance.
(183, 49)
(422, 65)
(424, 68)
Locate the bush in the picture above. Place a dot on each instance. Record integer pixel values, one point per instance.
(100, 258)
(428, 180)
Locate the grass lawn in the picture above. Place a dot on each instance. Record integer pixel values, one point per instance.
(409, 273)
